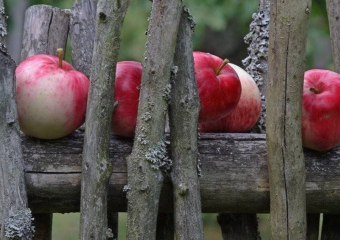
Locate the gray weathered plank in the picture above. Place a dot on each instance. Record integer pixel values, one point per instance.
(333, 11)
(15, 218)
(286, 60)
(234, 168)
(82, 31)
(45, 30)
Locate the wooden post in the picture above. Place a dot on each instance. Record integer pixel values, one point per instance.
(287, 43)
(96, 165)
(149, 156)
(15, 217)
(184, 111)
(82, 31)
(45, 30)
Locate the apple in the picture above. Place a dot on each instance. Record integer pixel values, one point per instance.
(321, 110)
(218, 85)
(247, 111)
(51, 96)
(126, 97)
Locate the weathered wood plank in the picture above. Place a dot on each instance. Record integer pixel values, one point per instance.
(45, 30)
(286, 60)
(15, 218)
(82, 31)
(234, 168)
(333, 11)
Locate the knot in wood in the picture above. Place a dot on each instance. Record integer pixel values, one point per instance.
(182, 189)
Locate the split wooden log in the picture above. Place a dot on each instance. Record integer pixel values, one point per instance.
(234, 168)
(286, 60)
(15, 217)
(45, 30)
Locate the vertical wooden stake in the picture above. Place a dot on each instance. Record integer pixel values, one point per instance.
(96, 166)
(287, 44)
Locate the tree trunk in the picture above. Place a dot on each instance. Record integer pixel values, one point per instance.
(15, 217)
(149, 155)
(287, 43)
(184, 110)
(96, 165)
(239, 226)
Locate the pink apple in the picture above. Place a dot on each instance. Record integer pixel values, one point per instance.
(126, 96)
(321, 110)
(247, 111)
(51, 97)
(219, 87)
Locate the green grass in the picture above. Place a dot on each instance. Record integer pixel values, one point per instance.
(66, 226)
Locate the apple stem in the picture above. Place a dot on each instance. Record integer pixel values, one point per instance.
(225, 62)
(314, 90)
(60, 53)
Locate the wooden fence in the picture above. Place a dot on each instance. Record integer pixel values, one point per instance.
(238, 169)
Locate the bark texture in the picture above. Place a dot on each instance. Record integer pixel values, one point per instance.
(96, 165)
(238, 226)
(15, 217)
(184, 111)
(45, 30)
(333, 10)
(149, 155)
(82, 32)
(287, 42)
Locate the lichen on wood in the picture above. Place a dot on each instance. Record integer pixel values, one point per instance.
(96, 165)
(144, 180)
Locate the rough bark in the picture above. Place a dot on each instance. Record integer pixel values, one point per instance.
(238, 226)
(287, 42)
(148, 155)
(45, 30)
(235, 175)
(96, 165)
(82, 32)
(333, 10)
(330, 227)
(313, 223)
(15, 217)
(184, 110)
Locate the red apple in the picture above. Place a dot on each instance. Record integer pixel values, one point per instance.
(321, 110)
(247, 111)
(219, 87)
(126, 96)
(51, 97)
